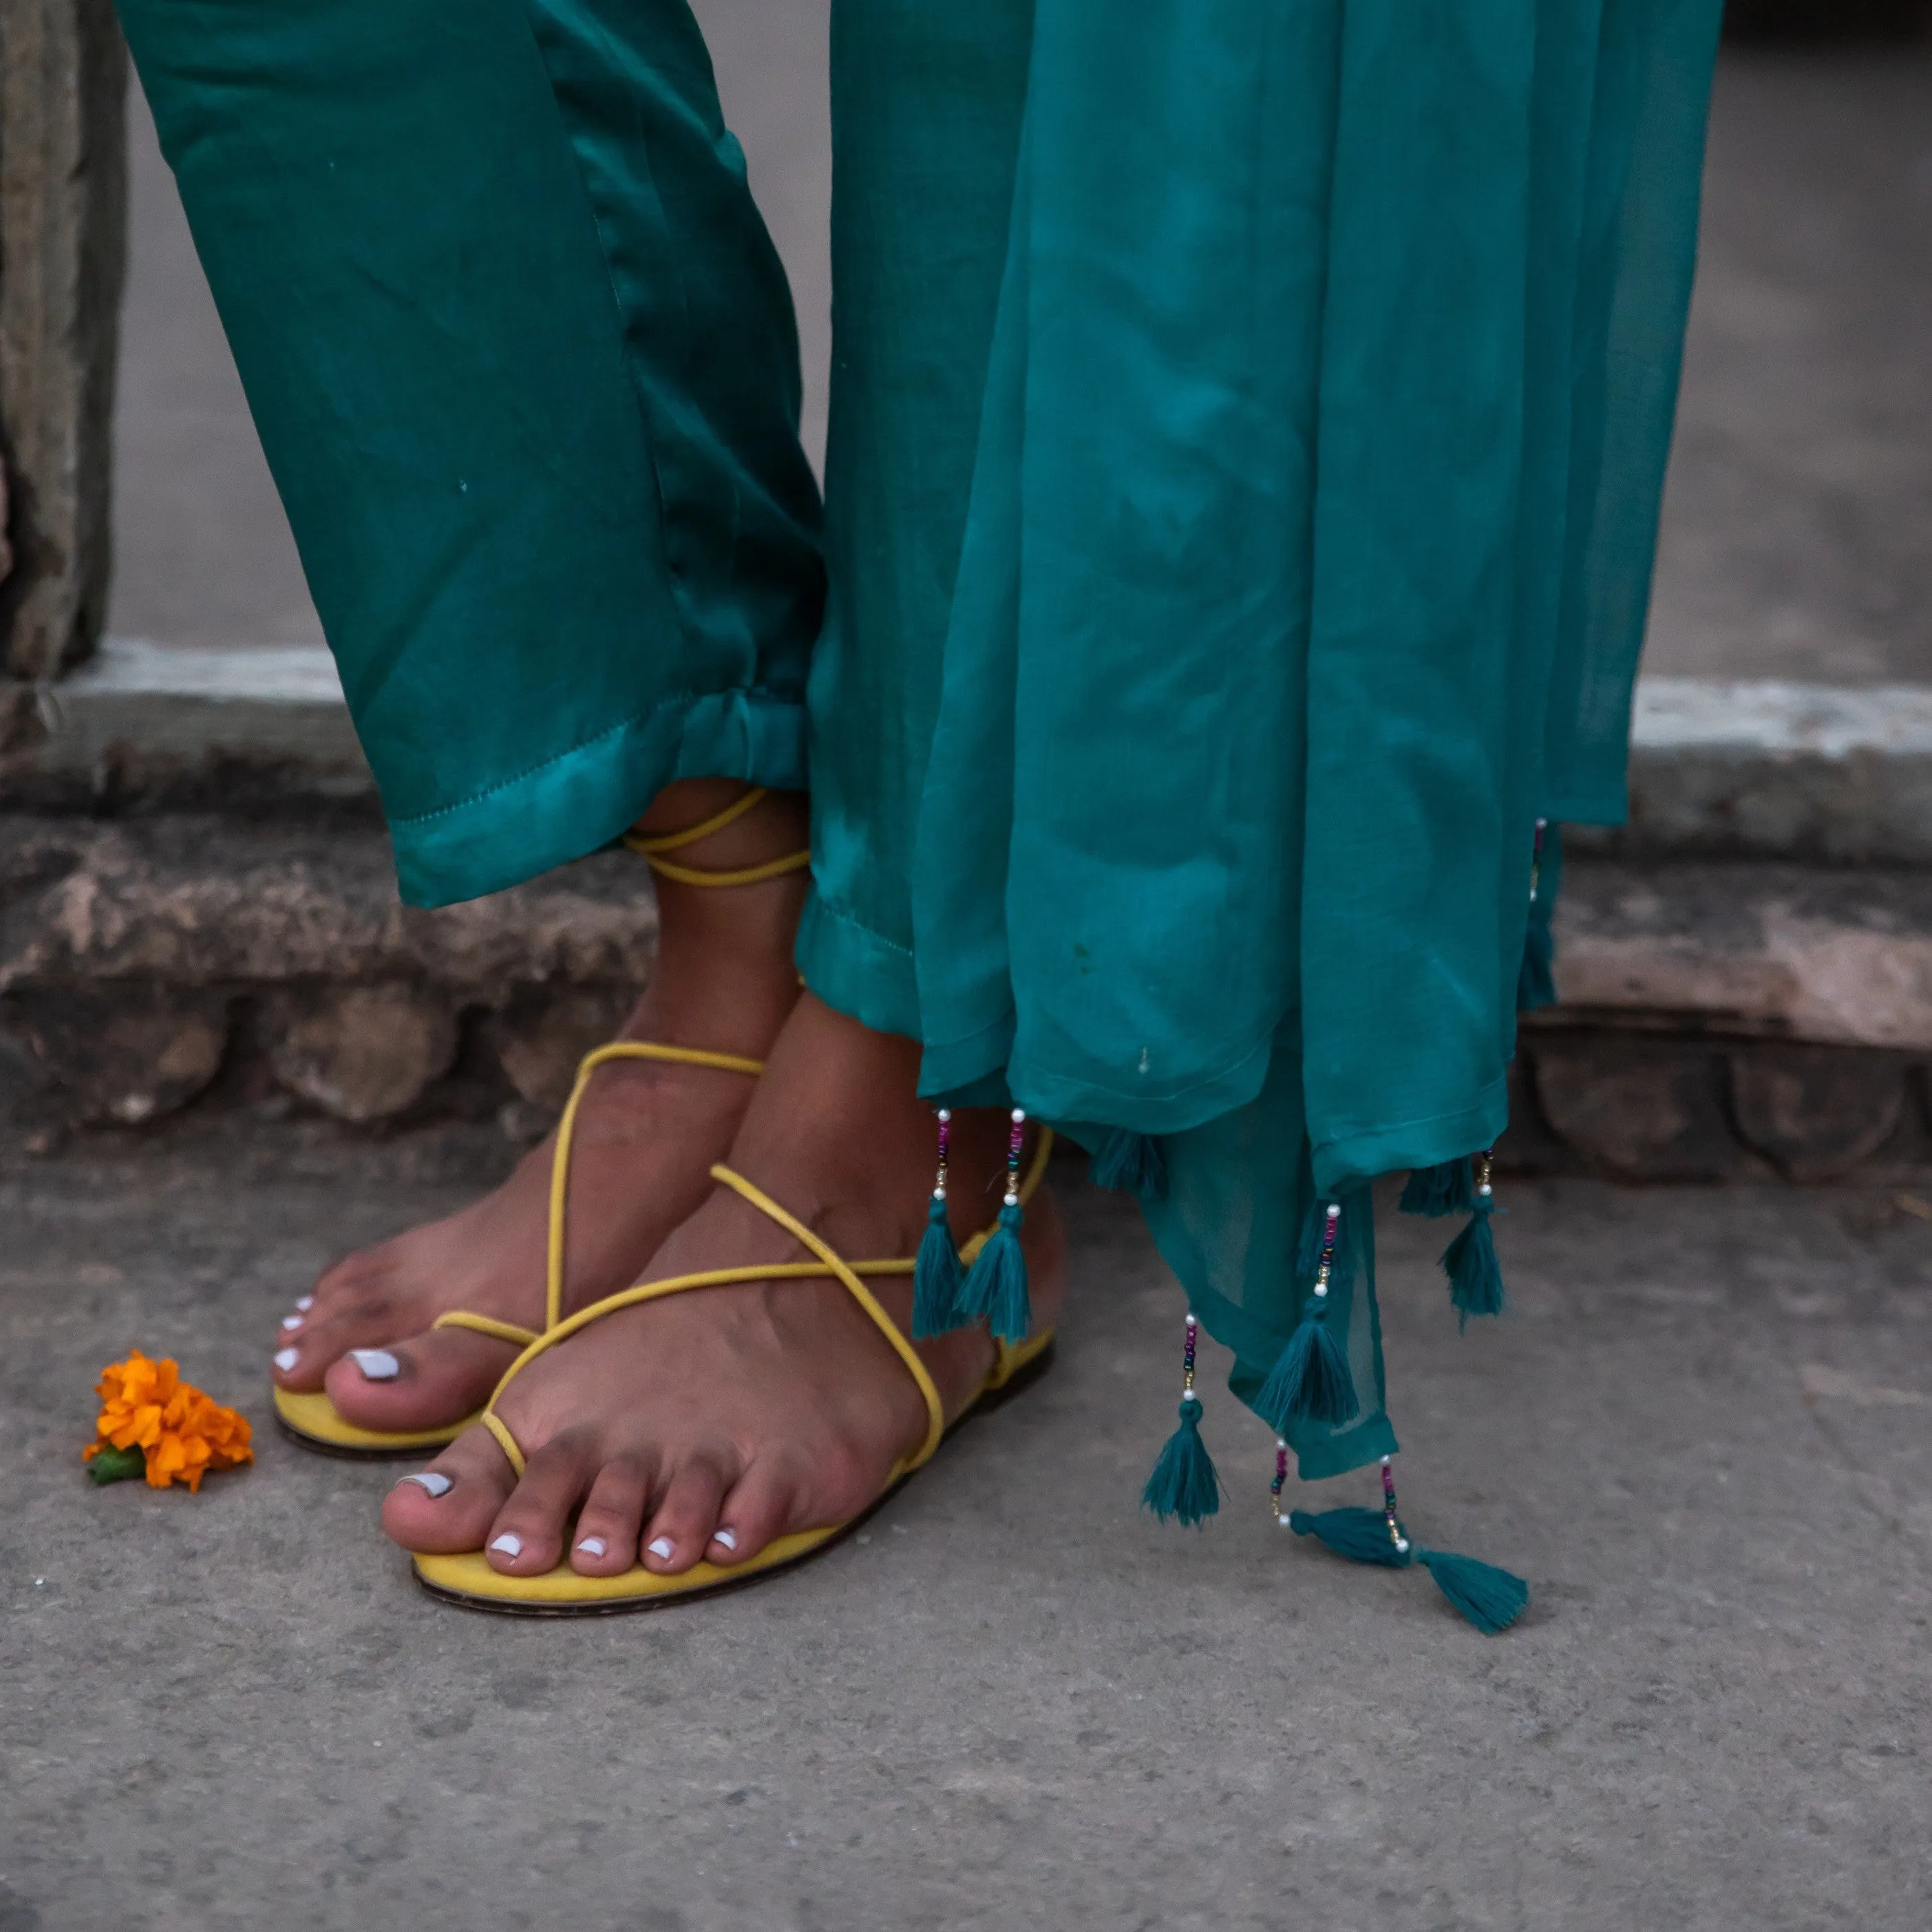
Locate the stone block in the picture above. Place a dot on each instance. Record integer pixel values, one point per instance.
(63, 223)
(1835, 956)
(542, 1034)
(1639, 1109)
(198, 900)
(361, 1053)
(126, 1053)
(1816, 1112)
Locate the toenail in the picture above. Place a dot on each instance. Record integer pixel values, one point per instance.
(511, 1546)
(291, 1321)
(286, 1358)
(729, 1537)
(377, 1365)
(592, 1545)
(660, 1547)
(433, 1481)
(307, 1302)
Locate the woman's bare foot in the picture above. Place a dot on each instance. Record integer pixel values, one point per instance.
(704, 1425)
(646, 1137)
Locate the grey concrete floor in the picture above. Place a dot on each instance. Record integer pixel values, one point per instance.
(1794, 535)
(1704, 1434)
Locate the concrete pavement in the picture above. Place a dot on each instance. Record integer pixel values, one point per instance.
(1704, 1434)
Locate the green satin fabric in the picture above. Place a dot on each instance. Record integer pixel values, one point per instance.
(1248, 423)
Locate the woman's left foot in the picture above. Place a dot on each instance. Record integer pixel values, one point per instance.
(700, 1426)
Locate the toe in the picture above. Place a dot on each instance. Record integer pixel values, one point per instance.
(527, 1537)
(680, 1530)
(304, 1354)
(758, 1507)
(605, 1541)
(441, 1375)
(450, 1505)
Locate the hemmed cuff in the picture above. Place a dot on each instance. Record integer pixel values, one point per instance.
(581, 800)
(855, 970)
(1354, 1159)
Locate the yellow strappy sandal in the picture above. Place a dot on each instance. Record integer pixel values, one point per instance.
(313, 1420)
(468, 1578)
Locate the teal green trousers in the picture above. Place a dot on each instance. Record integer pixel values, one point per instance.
(1248, 422)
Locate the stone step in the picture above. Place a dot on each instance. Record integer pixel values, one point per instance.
(1719, 1018)
(1723, 768)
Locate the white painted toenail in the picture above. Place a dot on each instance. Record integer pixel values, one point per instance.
(377, 1365)
(307, 1302)
(286, 1358)
(511, 1546)
(291, 1321)
(661, 1547)
(729, 1537)
(433, 1481)
(592, 1545)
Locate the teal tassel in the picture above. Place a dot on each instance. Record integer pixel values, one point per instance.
(996, 1287)
(1311, 1381)
(1347, 1257)
(1492, 1599)
(936, 1278)
(1442, 1189)
(1183, 1484)
(1475, 1280)
(1360, 1534)
(1130, 1163)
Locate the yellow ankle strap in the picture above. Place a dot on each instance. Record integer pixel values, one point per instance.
(652, 846)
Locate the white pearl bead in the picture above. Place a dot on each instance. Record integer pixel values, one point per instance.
(1019, 1115)
(946, 1113)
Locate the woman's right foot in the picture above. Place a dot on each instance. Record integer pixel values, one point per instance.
(646, 1134)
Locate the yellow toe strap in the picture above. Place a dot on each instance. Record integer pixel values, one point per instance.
(486, 1324)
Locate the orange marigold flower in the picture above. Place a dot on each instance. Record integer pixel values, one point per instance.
(182, 1433)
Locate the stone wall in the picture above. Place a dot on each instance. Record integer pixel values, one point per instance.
(63, 218)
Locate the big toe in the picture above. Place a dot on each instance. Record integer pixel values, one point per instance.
(442, 1376)
(448, 1506)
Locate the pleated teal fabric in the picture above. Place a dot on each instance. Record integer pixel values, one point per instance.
(1248, 423)
(1305, 564)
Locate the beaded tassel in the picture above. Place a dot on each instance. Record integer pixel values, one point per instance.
(1183, 1484)
(936, 1275)
(1311, 1381)
(1535, 982)
(996, 1286)
(1475, 1279)
(1492, 1599)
